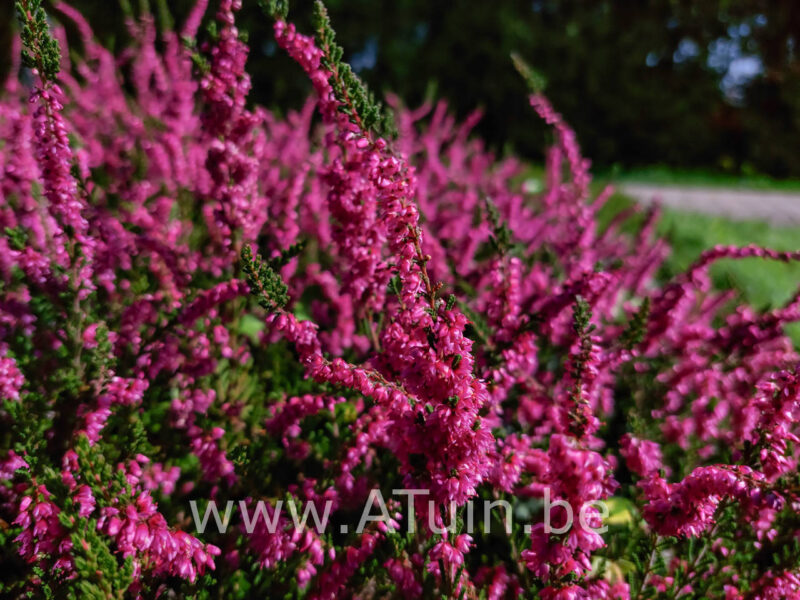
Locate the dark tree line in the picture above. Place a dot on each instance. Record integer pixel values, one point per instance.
(643, 82)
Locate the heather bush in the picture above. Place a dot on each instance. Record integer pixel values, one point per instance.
(204, 302)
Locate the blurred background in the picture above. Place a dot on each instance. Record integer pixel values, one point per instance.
(665, 96)
(709, 85)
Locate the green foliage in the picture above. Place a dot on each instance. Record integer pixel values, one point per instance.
(17, 237)
(356, 100)
(287, 254)
(637, 327)
(534, 80)
(264, 280)
(477, 329)
(395, 287)
(100, 576)
(41, 51)
(581, 315)
(501, 234)
(277, 9)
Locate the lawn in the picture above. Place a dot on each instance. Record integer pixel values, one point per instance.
(762, 284)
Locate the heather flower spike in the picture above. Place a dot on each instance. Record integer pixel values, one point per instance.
(349, 90)
(228, 338)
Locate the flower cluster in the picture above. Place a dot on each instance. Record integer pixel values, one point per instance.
(204, 302)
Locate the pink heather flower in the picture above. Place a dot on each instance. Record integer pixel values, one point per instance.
(779, 406)
(452, 554)
(142, 532)
(583, 392)
(404, 343)
(89, 336)
(11, 380)
(578, 477)
(281, 544)
(497, 582)
(192, 23)
(567, 143)
(404, 577)
(770, 586)
(400, 377)
(569, 592)
(42, 533)
(55, 158)
(332, 580)
(236, 202)
(85, 501)
(687, 508)
(156, 477)
(213, 460)
(119, 391)
(11, 463)
(600, 589)
(127, 392)
(642, 457)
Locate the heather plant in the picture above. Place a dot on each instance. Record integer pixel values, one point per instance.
(206, 305)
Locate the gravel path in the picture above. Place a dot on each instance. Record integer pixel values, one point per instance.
(777, 208)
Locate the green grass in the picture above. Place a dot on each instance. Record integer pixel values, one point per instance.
(762, 284)
(658, 175)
